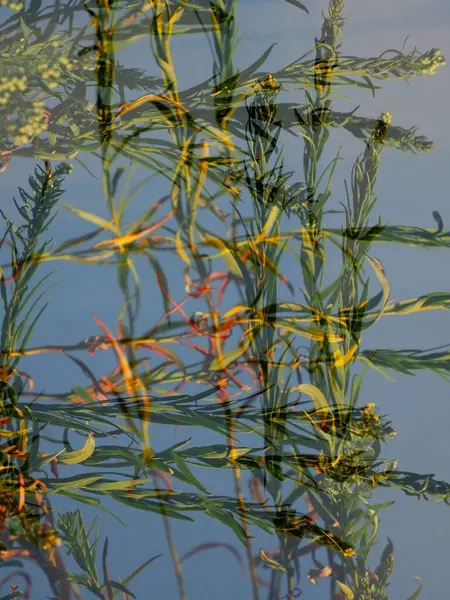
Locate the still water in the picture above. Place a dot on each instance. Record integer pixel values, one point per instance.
(329, 61)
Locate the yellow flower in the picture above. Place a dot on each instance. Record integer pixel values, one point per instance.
(20, 139)
(431, 61)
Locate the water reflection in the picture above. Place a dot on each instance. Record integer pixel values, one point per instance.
(237, 339)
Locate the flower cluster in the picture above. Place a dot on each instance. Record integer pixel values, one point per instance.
(11, 4)
(9, 85)
(52, 71)
(407, 65)
(26, 525)
(31, 72)
(342, 467)
(269, 84)
(381, 476)
(24, 520)
(370, 585)
(335, 11)
(49, 62)
(30, 122)
(369, 425)
(264, 106)
(431, 60)
(49, 74)
(380, 133)
(369, 417)
(46, 536)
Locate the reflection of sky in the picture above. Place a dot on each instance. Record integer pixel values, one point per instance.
(410, 188)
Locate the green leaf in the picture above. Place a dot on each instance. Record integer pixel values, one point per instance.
(81, 392)
(20, 328)
(89, 501)
(258, 63)
(31, 293)
(29, 333)
(141, 568)
(27, 32)
(48, 459)
(34, 7)
(417, 592)
(116, 178)
(184, 470)
(120, 586)
(156, 507)
(77, 481)
(16, 594)
(74, 127)
(227, 519)
(108, 486)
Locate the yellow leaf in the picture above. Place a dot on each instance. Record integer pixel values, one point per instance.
(319, 400)
(4, 433)
(343, 359)
(381, 275)
(273, 216)
(226, 254)
(132, 237)
(93, 218)
(123, 240)
(159, 348)
(223, 137)
(434, 301)
(312, 334)
(78, 456)
(273, 564)
(223, 360)
(347, 591)
(128, 106)
(236, 310)
(131, 383)
(180, 248)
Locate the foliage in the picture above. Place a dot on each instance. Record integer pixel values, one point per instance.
(311, 465)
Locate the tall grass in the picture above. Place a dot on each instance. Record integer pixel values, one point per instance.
(290, 425)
